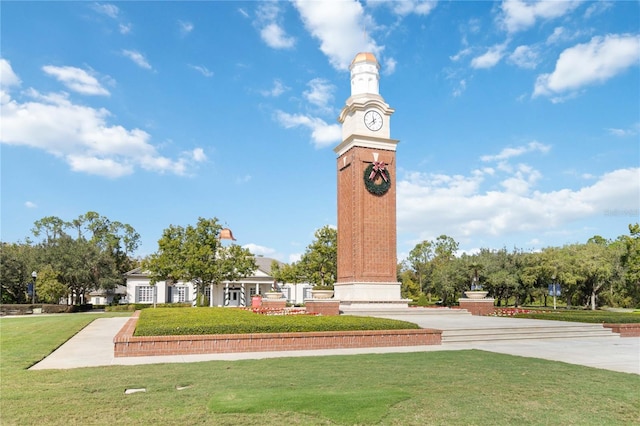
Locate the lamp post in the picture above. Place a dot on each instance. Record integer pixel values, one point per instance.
(34, 275)
(553, 286)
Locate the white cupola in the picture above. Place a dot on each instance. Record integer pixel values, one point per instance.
(365, 74)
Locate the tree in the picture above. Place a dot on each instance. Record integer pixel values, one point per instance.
(319, 263)
(196, 254)
(50, 290)
(448, 274)
(419, 259)
(89, 252)
(15, 266)
(630, 260)
(80, 266)
(286, 273)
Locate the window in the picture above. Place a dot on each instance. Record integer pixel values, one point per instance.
(145, 294)
(286, 291)
(181, 294)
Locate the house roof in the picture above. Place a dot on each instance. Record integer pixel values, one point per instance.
(264, 264)
(120, 289)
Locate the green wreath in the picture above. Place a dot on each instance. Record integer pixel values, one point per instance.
(371, 173)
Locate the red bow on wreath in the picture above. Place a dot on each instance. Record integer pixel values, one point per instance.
(378, 167)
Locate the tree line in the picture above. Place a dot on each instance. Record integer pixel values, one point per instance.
(92, 252)
(597, 273)
(70, 259)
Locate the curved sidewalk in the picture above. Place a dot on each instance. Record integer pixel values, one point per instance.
(93, 346)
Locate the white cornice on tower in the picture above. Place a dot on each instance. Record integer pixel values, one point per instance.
(372, 142)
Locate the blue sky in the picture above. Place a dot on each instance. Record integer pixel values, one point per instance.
(518, 121)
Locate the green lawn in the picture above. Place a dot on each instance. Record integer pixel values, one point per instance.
(184, 321)
(462, 387)
(598, 316)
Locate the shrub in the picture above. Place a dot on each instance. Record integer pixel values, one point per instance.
(422, 300)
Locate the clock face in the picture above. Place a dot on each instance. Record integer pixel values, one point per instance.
(373, 120)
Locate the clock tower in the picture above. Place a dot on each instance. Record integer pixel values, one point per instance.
(366, 170)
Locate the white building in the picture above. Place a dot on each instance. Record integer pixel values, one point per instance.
(235, 293)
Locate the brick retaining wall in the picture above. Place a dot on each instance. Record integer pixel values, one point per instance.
(477, 306)
(625, 330)
(126, 344)
(325, 307)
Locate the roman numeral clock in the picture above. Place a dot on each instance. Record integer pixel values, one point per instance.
(366, 195)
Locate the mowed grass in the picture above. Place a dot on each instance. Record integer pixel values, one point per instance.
(184, 321)
(443, 387)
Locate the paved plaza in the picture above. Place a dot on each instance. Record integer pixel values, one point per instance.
(93, 346)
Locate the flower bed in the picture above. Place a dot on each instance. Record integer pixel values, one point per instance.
(275, 311)
(512, 312)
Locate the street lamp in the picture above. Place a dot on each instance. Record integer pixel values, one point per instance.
(34, 275)
(553, 286)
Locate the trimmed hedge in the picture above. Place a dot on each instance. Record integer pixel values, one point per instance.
(596, 317)
(131, 307)
(197, 321)
(26, 309)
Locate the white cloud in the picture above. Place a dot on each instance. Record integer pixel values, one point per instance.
(185, 27)
(597, 7)
(137, 57)
(320, 94)
(459, 90)
(259, 250)
(461, 54)
(83, 138)
(8, 78)
(112, 11)
(76, 79)
(508, 153)
(107, 9)
(339, 27)
(490, 58)
(276, 37)
(520, 15)
(389, 66)
(430, 205)
(322, 134)
(198, 155)
(271, 30)
(407, 7)
(631, 131)
(524, 57)
(30, 205)
(202, 70)
(278, 89)
(594, 62)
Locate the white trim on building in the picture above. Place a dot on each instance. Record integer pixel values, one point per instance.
(236, 293)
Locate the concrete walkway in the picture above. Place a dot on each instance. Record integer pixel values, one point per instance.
(93, 346)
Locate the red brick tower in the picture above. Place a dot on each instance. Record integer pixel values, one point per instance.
(366, 195)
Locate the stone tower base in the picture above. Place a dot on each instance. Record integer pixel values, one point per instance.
(371, 295)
